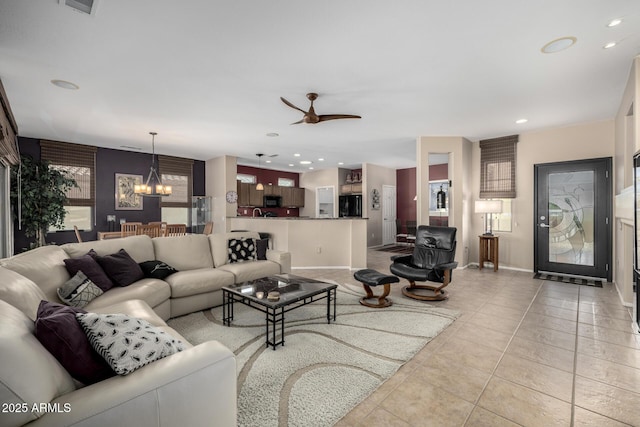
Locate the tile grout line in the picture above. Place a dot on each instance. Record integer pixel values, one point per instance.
(495, 368)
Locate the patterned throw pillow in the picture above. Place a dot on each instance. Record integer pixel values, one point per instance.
(79, 291)
(157, 269)
(127, 343)
(242, 249)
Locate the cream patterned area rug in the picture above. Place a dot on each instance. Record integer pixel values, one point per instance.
(323, 370)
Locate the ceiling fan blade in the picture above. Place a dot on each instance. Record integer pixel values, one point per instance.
(325, 117)
(298, 122)
(292, 106)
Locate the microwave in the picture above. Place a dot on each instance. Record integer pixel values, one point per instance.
(272, 201)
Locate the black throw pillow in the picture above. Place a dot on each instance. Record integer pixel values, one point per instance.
(57, 328)
(121, 268)
(261, 248)
(90, 267)
(157, 269)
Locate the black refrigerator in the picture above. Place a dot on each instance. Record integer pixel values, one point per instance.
(636, 240)
(350, 205)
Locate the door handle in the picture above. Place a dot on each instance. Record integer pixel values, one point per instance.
(543, 225)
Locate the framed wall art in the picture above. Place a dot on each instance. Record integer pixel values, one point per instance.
(126, 199)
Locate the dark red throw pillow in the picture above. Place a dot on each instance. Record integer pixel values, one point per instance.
(90, 267)
(61, 334)
(121, 268)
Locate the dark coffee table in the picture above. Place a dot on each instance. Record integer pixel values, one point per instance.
(295, 291)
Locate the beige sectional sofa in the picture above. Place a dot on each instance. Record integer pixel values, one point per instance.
(194, 387)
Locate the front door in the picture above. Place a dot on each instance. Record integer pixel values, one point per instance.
(572, 210)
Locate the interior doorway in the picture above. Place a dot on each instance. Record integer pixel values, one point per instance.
(389, 214)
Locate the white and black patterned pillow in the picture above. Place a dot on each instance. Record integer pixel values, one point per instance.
(242, 249)
(127, 343)
(79, 291)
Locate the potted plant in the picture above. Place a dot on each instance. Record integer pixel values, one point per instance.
(38, 194)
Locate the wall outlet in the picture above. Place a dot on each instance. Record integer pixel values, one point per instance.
(287, 211)
(319, 249)
(245, 211)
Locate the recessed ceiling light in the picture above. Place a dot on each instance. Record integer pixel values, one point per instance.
(609, 45)
(521, 121)
(290, 164)
(296, 155)
(273, 134)
(305, 162)
(558, 45)
(65, 84)
(614, 22)
(267, 161)
(311, 167)
(321, 159)
(340, 163)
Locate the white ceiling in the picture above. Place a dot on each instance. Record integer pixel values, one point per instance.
(207, 75)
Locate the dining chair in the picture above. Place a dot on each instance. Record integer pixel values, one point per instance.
(176, 230)
(151, 230)
(162, 225)
(208, 228)
(75, 228)
(129, 228)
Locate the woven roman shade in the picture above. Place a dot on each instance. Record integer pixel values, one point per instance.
(8, 131)
(178, 173)
(76, 161)
(498, 168)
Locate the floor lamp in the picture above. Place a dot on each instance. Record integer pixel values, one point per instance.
(488, 208)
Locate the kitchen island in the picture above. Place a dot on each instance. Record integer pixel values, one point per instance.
(313, 242)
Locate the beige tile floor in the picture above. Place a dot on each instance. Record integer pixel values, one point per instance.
(523, 352)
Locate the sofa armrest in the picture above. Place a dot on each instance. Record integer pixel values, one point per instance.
(196, 387)
(282, 258)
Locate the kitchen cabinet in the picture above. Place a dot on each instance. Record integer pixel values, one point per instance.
(351, 188)
(243, 193)
(272, 190)
(292, 197)
(256, 197)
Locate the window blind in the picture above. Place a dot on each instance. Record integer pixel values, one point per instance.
(178, 173)
(498, 168)
(75, 161)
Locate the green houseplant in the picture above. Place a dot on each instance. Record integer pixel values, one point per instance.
(38, 194)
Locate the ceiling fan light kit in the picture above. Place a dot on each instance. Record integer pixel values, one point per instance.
(310, 117)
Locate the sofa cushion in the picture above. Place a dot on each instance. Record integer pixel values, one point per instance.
(44, 266)
(193, 282)
(120, 268)
(28, 372)
(152, 291)
(220, 245)
(139, 248)
(20, 292)
(241, 250)
(90, 267)
(127, 343)
(59, 332)
(246, 271)
(183, 252)
(157, 269)
(79, 291)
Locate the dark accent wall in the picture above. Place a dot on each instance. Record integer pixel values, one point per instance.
(266, 177)
(108, 163)
(407, 190)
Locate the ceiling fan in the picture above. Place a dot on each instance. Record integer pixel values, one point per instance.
(311, 117)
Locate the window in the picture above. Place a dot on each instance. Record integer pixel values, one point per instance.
(178, 173)
(502, 221)
(498, 168)
(77, 162)
(286, 182)
(248, 179)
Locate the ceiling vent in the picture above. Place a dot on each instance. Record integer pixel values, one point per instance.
(84, 6)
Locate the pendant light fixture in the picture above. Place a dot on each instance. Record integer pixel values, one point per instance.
(153, 187)
(259, 187)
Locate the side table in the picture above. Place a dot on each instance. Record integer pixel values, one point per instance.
(488, 251)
